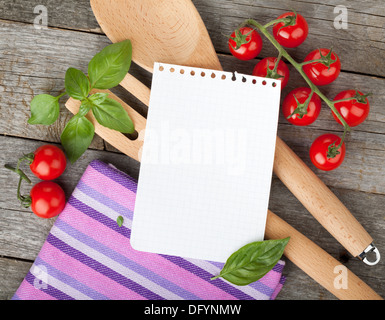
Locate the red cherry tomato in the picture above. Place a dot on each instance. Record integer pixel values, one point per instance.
(290, 104)
(293, 35)
(319, 73)
(48, 199)
(319, 150)
(49, 162)
(250, 43)
(261, 70)
(353, 112)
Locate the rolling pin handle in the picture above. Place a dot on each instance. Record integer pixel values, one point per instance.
(364, 255)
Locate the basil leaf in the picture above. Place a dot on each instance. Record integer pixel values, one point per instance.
(77, 136)
(111, 114)
(108, 67)
(44, 109)
(84, 108)
(77, 84)
(252, 261)
(120, 221)
(98, 97)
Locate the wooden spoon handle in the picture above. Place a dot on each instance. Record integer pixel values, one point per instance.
(317, 263)
(317, 198)
(117, 139)
(137, 88)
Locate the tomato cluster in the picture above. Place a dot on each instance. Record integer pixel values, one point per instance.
(46, 198)
(302, 106)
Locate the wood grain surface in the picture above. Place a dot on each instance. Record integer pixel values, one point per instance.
(34, 61)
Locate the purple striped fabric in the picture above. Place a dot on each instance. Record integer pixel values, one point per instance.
(88, 256)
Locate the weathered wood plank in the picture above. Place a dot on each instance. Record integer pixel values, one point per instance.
(365, 28)
(75, 15)
(364, 33)
(33, 61)
(12, 274)
(36, 63)
(362, 169)
(22, 234)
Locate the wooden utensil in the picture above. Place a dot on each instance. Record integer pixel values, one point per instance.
(317, 263)
(173, 32)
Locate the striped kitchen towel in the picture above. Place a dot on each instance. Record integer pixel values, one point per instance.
(88, 256)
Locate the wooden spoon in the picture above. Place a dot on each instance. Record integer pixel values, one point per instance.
(186, 25)
(159, 30)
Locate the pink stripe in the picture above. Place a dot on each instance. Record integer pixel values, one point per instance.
(271, 279)
(277, 290)
(85, 274)
(153, 262)
(27, 291)
(109, 188)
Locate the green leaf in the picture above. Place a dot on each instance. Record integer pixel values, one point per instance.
(108, 67)
(98, 97)
(77, 84)
(44, 109)
(77, 136)
(111, 114)
(84, 108)
(120, 221)
(252, 261)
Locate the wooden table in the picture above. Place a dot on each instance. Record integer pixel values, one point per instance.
(34, 61)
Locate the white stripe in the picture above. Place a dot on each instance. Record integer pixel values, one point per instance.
(40, 272)
(214, 270)
(117, 267)
(100, 207)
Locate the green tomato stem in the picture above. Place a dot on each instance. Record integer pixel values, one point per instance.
(346, 99)
(277, 62)
(19, 172)
(24, 200)
(284, 20)
(310, 61)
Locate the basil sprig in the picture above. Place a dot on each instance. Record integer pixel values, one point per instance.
(105, 70)
(252, 261)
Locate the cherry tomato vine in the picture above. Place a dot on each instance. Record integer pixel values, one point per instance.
(320, 67)
(46, 198)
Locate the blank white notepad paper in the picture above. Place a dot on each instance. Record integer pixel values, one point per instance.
(206, 163)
